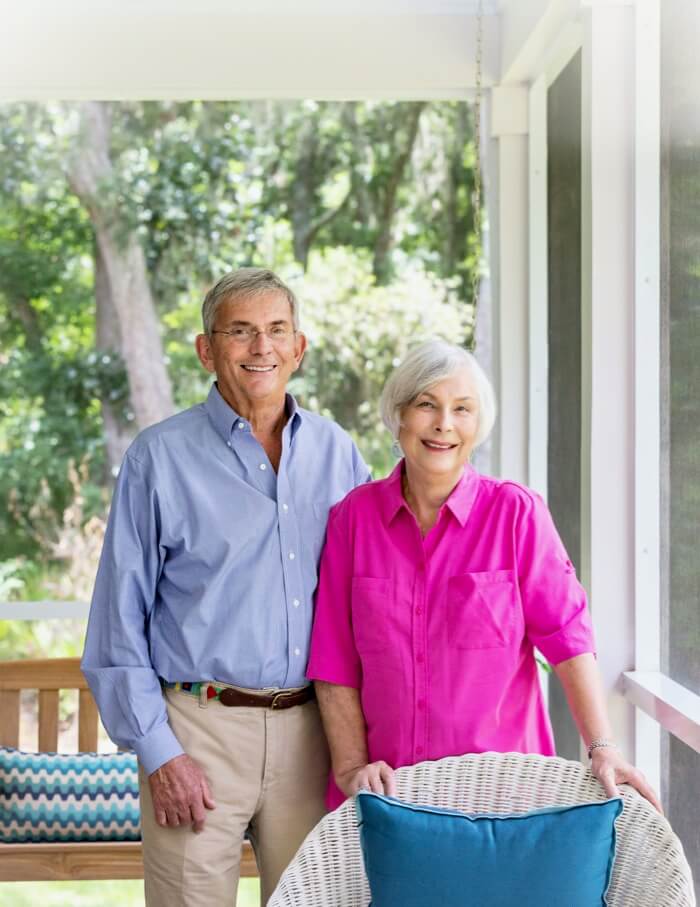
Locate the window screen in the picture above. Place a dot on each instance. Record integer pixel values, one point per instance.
(680, 381)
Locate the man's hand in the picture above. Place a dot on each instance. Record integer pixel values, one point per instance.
(377, 777)
(180, 794)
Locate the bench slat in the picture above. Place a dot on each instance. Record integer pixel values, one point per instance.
(42, 674)
(9, 718)
(48, 721)
(84, 861)
(87, 722)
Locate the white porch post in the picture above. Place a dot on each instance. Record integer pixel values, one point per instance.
(509, 127)
(608, 492)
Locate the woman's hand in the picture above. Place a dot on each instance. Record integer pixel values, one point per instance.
(580, 678)
(611, 768)
(377, 777)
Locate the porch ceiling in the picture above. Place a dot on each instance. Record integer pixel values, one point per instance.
(225, 49)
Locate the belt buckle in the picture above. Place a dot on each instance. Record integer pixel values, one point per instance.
(279, 697)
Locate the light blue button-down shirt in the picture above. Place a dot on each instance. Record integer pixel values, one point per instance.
(210, 563)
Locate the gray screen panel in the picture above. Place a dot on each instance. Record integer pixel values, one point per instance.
(564, 335)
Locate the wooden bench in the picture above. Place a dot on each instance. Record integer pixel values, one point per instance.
(82, 860)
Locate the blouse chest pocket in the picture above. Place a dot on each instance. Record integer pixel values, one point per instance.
(372, 608)
(483, 609)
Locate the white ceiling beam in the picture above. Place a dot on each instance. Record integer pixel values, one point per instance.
(71, 49)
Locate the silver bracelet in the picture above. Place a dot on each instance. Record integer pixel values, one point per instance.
(600, 742)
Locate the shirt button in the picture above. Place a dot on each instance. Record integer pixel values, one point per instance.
(228, 443)
(419, 750)
(296, 602)
(263, 466)
(419, 658)
(291, 555)
(421, 704)
(297, 651)
(419, 610)
(285, 506)
(241, 424)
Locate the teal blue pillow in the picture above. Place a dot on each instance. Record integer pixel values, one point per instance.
(418, 856)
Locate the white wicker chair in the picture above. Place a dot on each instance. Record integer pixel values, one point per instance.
(650, 869)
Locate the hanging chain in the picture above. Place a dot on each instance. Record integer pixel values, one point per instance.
(476, 270)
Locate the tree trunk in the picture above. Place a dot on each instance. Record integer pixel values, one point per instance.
(123, 276)
(387, 208)
(308, 177)
(361, 200)
(455, 238)
(27, 315)
(303, 191)
(118, 433)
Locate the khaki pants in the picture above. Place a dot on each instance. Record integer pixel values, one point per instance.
(267, 771)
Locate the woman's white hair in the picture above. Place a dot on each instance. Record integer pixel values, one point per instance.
(423, 367)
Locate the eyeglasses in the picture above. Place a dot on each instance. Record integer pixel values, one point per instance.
(277, 333)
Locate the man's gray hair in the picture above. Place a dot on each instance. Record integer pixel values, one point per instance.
(423, 367)
(245, 282)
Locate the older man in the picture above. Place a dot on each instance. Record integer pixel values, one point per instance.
(199, 627)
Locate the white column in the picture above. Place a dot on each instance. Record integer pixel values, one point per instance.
(608, 230)
(510, 129)
(538, 341)
(647, 362)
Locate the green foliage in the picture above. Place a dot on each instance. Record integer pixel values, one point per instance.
(10, 581)
(307, 188)
(51, 377)
(358, 332)
(190, 182)
(97, 894)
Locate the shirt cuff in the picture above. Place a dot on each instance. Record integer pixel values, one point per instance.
(338, 676)
(567, 643)
(157, 748)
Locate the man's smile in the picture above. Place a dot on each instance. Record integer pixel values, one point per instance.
(259, 368)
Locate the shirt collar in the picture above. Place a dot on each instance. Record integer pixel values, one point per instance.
(224, 417)
(459, 502)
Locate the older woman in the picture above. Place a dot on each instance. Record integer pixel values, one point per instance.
(436, 586)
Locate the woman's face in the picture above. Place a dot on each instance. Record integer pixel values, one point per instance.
(438, 428)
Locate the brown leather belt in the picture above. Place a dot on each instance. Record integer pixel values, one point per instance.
(229, 696)
(283, 699)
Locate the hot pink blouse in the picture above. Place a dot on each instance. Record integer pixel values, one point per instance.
(438, 633)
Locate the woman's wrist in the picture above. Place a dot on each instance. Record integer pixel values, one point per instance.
(600, 743)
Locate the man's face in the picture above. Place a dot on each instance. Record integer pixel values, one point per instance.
(255, 371)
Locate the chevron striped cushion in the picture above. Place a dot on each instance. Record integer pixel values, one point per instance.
(61, 798)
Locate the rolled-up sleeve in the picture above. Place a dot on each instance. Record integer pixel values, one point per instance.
(557, 619)
(333, 654)
(116, 660)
